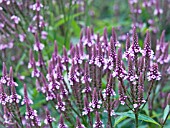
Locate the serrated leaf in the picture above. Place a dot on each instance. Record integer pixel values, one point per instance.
(141, 117)
(166, 111)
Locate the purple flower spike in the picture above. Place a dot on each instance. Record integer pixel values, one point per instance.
(86, 80)
(120, 72)
(110, 63)
(109, 89)
(89, 41)
(38, 46)
(61, 123)
(40, 62)
(37, 6)
(112, 50)
(11, 80)
(96, 103)
(63, 91)
(77, 59)
(45, 89)
(14, 97)
(127, 53)
(104, 40)
(94, 54)
(31, 58)
(4, 77)
(141, 64)
(158, 11)
(147, 51)
(98, 123)
(48, 119)
(135, 48)
(35, 72)
(153, 73)
(131, 75)
(73, 75)
(3, 96)
(31, 115)
(26, 100)
(164, 57)
(87, 109)
(65, 60)
(60, 105)
(115, 38)
(122, 97)
(15, 19)
(79, 125)
(99, 60)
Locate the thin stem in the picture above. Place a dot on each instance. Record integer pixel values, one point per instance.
(165, 120)
(149, 92)
(51, 125)
(109, 116)
(136, 119)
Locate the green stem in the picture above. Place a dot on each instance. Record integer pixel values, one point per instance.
(165, 120)
(136, 119)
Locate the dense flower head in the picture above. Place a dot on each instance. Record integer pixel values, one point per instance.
(38, 46)
(86, 78)
(48, 119)
(89, 38)
(16, 19)
(120, 71)
(73, 75)
(61, 123)
(60, 104)
(87, 109)
(5, 77)
(14, 97)
(96, 103)
(99, 60)
(79, 125)
(98, 123)
(31, 114)
(153, 73)
(37, 6)
(135, 48)
(122, 96)
(114, 37)
(4, 98)
(26, 100)
(147, 51)
(109, 89)
(164, 57)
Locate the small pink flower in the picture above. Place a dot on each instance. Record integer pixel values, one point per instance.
(15, 19)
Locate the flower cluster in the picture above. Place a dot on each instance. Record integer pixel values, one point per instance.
(87, 73)
(153, 73)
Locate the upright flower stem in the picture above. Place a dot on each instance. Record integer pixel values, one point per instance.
(149, 92)
(136, 119)
(50, 125)
(165, 120)
(109, 112)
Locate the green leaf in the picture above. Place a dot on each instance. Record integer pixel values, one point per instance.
(166, 111)
(119, 119)
(141, 117)
(62, 20)
(148, 119)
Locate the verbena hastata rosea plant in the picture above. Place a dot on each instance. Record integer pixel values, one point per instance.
(89, 82)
